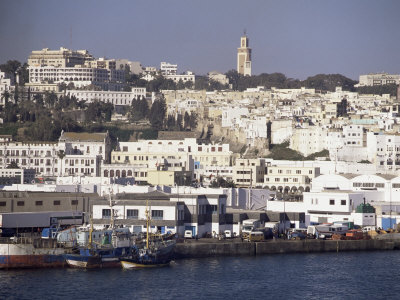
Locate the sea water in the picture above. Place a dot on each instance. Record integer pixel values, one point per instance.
(347, 275)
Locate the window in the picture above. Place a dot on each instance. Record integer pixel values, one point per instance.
(38, 203)
(56, 202)
(298, 171)
(343, 202)
(331, 201)
(157, 214)
(379, 185)
(106, 213)
(132, 214)
(3, 203)
(74, 202)
(20, 203)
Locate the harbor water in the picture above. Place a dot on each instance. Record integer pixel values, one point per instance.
(350, 275)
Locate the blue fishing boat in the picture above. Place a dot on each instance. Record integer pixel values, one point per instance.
(114, 244)
(154, 252)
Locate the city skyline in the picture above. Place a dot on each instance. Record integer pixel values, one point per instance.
(296, 38)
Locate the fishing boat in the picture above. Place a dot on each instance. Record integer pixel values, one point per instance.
(101, 248)
(30, 252)
(154, 252)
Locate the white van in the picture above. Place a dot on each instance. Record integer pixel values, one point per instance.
(228, 234)
(188, 234)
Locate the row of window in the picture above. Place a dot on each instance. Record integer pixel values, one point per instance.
(332, 201)
(280, 171)
(277, 179)
(134, 214)
(368, 184)
(39, 203)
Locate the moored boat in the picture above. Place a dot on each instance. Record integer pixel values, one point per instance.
(30, 252)
(158, 254)
(154, 252)
(115, 244)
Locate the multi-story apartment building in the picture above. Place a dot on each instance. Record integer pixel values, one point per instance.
(40, 156)
(83, 153)
(378, 79)
(114, 97)
(187, 76)
(387, 151)
(168, 69)
(308, 139)
(158, 150)
(248, 172)
(59, 58)
(80, 76)
(74, 154)
(290, 179)
(177, 155)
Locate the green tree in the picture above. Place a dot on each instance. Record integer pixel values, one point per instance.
(50, 99)
(61, 154)
(180, 85)
(179, 122)
(171, 123)
(10, 67)
(157, 114)
(186, 120)
(139, 109)
(193, 121)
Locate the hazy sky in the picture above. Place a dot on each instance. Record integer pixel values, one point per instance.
(299, 38)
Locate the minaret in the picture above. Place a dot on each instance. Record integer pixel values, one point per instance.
(244, 56)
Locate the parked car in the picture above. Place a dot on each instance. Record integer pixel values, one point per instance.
(297, 234)
(188, 234)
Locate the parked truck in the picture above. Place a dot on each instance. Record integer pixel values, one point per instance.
(325, 231)
(250, 225)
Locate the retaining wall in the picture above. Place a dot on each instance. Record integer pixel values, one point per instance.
(199, 249)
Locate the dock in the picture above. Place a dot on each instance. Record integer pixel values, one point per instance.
(212, 248)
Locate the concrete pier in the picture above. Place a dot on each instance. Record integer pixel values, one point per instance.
(197, 249)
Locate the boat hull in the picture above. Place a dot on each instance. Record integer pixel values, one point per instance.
(27, 256)
(91, 262)
(126, 264)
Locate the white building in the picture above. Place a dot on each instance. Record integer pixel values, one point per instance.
(107, 79)
(168, 69)
(378, 79)
(114, 97)
(83, 153)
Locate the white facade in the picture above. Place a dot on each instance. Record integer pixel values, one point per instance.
(79, 76)
(114, 97)
(188, 76)
(378, 79)
(168, 69)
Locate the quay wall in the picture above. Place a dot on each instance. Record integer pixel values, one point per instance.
(199, 249)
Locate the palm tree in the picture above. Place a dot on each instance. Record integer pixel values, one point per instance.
(61, 154)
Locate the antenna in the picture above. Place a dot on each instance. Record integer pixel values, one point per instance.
(245, 32)
(70, 37)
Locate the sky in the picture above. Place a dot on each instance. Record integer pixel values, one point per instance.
(299, 38)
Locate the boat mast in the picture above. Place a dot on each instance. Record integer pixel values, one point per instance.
(112, 212)
(147, 224)
(90, 232)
